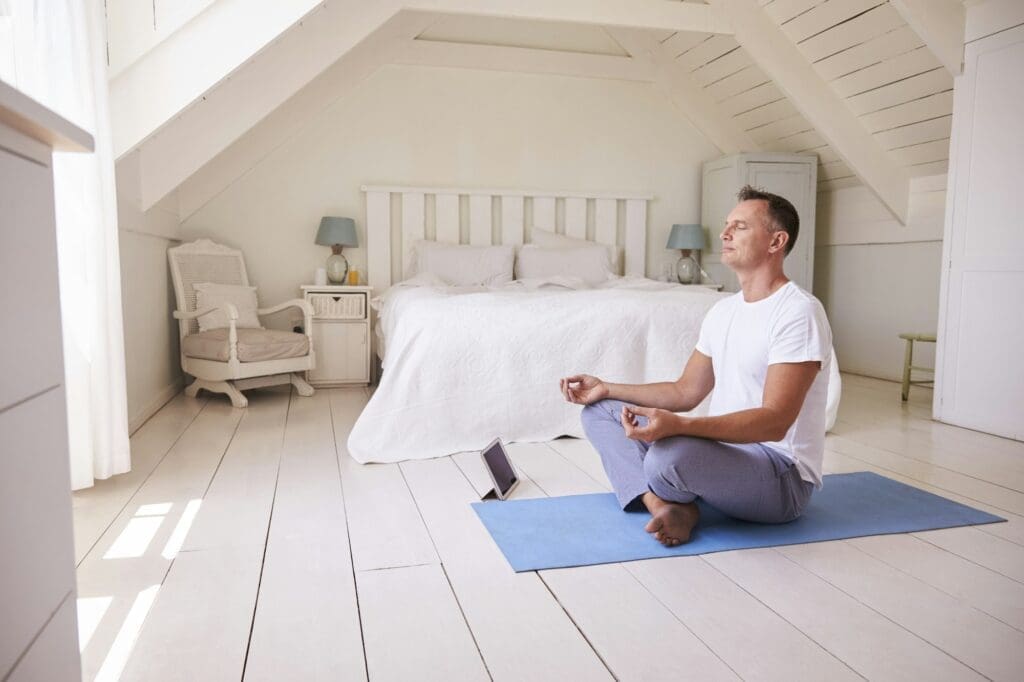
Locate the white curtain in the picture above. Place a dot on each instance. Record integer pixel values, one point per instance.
(59, 59)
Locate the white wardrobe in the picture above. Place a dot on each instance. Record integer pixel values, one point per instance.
(39, 634)
(793, 176)
(980, 367)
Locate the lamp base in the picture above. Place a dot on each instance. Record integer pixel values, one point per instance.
(687, 271)
(337, 268)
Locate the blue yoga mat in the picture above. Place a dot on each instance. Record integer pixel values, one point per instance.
(581, 530)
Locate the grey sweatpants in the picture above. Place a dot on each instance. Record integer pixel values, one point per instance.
(749, 481)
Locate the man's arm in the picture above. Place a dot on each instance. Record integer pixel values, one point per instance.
(785, 388)
(681, 395)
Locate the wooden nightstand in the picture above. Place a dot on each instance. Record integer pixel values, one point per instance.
(341, 334)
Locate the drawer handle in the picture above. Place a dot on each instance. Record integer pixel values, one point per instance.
(336, 298)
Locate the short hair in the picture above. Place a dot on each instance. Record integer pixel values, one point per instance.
(781, 213)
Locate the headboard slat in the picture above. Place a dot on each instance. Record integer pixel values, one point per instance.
(544, 213)
(636, 237)
(605, 218)
(480, 219)
(576, 217)
(414, 225)
(446, 218)
(512, 220)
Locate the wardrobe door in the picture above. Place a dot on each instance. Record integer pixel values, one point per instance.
(980, 384)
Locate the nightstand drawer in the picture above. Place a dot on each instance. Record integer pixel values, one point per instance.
(338, 306)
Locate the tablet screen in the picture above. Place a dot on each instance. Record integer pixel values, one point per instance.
(498, 463)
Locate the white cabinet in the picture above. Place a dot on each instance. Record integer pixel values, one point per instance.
(37, 571)
(341, 334)
(793, 176)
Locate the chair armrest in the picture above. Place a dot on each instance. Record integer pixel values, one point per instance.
(302, 304)
(307, 315)
(229, 309)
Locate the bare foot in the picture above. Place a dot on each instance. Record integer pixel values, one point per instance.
(671, 522)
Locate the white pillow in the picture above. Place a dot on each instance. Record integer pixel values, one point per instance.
(551, 240)
(464, 265)
(586, 263)
(244, 298)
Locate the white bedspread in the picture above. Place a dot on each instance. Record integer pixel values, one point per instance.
(462, 366)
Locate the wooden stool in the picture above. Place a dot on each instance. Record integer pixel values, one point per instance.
(908, 360)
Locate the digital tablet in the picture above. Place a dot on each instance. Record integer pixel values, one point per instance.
(500, 469)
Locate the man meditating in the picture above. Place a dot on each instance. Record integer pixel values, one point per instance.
(766, 353)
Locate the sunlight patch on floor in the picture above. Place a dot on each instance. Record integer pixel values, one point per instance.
(90, 613)
(177, 538)
(117, 657)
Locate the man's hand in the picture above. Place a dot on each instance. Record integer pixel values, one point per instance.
(660, 423)
(583, 389)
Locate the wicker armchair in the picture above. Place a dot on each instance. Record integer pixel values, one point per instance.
(232, 360)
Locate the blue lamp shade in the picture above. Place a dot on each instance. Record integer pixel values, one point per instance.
(334, 230)
(689, 237)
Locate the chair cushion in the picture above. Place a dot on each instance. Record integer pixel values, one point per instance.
(254, 345)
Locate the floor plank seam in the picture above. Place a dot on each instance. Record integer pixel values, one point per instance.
(967, 558)
(465, 620)
(131, 497)
(880, 614)
(419, 512)
(266, 537)
(782, 618)
(576, 466)
(852, 438)
(379, 569)
(938, 487)
(936, 587)
(682, 622)
(444, 570)
(462, 471)
(348, 531)
(579, 629)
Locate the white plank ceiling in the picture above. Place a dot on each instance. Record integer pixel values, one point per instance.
(868, 55)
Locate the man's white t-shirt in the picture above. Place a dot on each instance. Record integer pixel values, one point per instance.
(743, 339)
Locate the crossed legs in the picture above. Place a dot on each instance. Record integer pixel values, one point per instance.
(749, 481)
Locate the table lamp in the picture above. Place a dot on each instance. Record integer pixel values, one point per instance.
(687, 238)
(337, 233)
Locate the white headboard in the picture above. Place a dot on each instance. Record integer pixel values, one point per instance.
(397, 216)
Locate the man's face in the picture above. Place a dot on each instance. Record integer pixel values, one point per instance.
(747, 240)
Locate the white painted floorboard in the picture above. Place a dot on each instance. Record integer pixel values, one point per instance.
(247, 544)
(413, 627)
(306, 625)
(522, 632)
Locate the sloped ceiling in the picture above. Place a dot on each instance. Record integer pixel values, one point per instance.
(871, 70)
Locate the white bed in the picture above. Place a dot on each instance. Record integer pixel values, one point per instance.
(464, 366)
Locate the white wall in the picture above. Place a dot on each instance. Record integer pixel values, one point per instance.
(452, 127)
(151, 336)
(877, 278)
(152, 367)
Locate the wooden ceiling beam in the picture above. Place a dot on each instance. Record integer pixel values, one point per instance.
(646, 14)
(794, 75)
(522, 60)
(940, 25)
